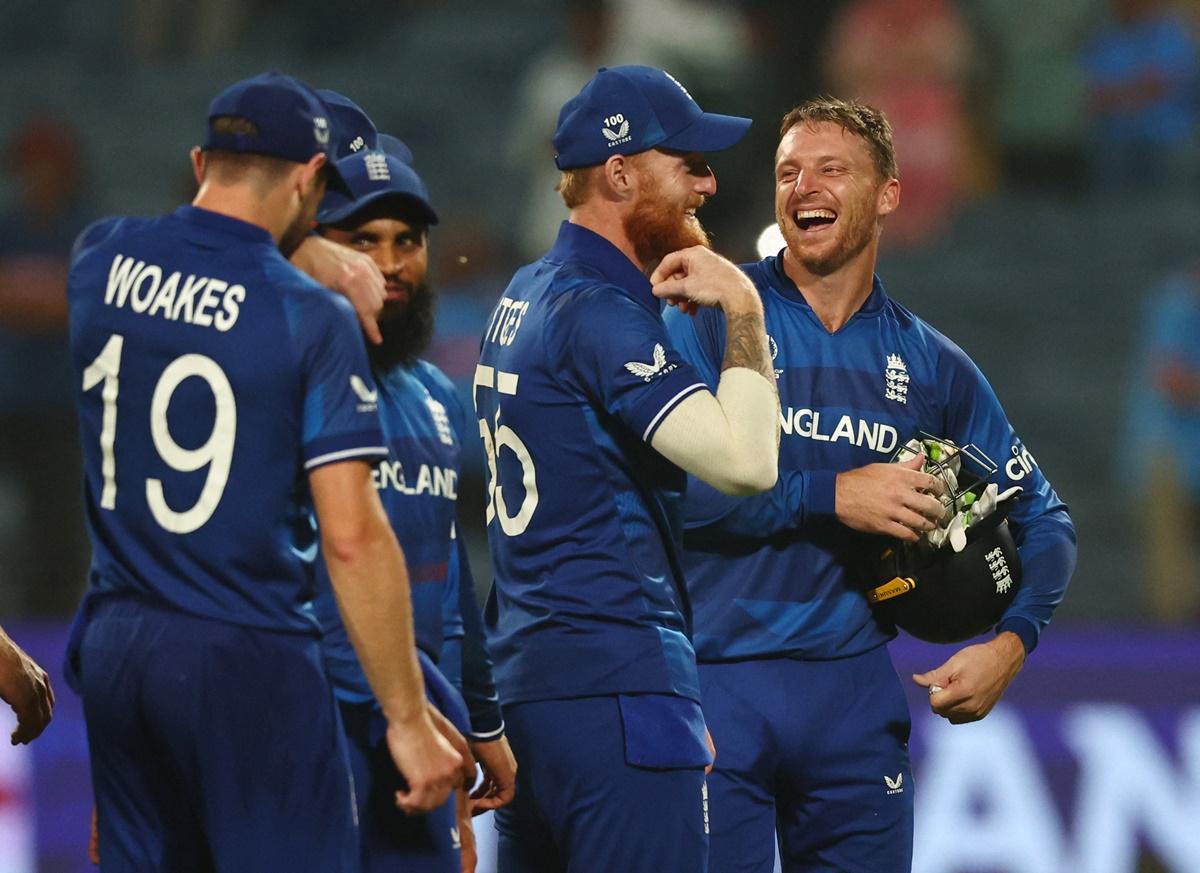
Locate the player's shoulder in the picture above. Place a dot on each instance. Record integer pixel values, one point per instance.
(302, 292)
(761, 272)
(107, 231)
(437, 382)
(581, 298)
(919, 336)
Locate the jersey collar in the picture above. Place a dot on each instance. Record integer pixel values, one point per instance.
(783, 283)
(214, 222)
(579, 245)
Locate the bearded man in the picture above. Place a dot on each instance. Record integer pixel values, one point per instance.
(590, 419)
(386, 215)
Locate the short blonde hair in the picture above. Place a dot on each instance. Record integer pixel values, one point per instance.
(574, 185)
(865, 122)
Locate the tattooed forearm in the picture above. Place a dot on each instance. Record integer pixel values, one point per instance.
(746, 344)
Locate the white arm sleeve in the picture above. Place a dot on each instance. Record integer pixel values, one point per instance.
(730, 439)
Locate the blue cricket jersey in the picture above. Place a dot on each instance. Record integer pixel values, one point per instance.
(777, 574)
(212, 375)
(576, 373)
(423, 424)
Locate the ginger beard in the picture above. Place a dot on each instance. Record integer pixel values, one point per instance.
(658, 225)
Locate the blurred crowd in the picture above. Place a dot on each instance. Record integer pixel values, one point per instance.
(1091, 103)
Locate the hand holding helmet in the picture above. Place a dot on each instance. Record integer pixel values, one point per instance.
(956, 581)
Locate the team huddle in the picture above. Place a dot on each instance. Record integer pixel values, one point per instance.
(678, 668)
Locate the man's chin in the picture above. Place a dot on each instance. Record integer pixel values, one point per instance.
(394, 305)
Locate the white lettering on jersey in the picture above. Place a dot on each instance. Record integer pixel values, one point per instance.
(142, 287)
(874, 435)
(432, 480)
(1020, 465)
(506, 319)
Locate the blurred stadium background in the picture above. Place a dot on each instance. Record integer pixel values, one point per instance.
(1049, 224)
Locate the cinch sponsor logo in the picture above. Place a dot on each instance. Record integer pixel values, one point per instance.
(874, 435)
(432, 480)
(1021, 464)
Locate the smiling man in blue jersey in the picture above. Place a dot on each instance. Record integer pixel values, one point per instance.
(799, 691)
(589, 419)
(387, 214)
(223, 396)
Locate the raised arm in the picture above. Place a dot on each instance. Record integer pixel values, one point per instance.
(729, 439)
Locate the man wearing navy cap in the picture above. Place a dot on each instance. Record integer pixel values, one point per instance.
(221, 395)
(386, 213)
(589, 420)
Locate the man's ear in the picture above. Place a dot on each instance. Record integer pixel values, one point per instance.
(197, 155)
(309, 172)
(619, 177)
(889, 197)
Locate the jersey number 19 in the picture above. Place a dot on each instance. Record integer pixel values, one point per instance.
(216, 452)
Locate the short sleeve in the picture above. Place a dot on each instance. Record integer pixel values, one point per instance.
(341, 421)
(618, 352)
(694, 337)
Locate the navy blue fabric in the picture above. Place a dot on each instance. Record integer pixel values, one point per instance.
(576, 372)
(370, 175)
(582, 807)
(292, 120)
(625, 110)
(197, 292)
(392, 841)
(776, 574)
(663, 732)
(213, 746)
(817, 751)
(423, 426)
(353, 129)
(470, 667)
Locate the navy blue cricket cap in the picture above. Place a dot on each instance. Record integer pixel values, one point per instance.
(370, 176)
(353, 128)
(290, 121)
(395, 147)
(625, 110)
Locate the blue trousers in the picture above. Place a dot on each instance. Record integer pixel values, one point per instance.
(816, 751)
(214, 747)
(393, 842)
(584, 806)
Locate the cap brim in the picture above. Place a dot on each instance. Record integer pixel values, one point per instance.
(708, 133)
(337, 206)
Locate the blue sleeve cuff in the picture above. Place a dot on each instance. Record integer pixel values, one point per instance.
(819, 492)
(487, 735)
(1023, 628)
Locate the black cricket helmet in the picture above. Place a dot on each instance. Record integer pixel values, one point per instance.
(941, 595)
